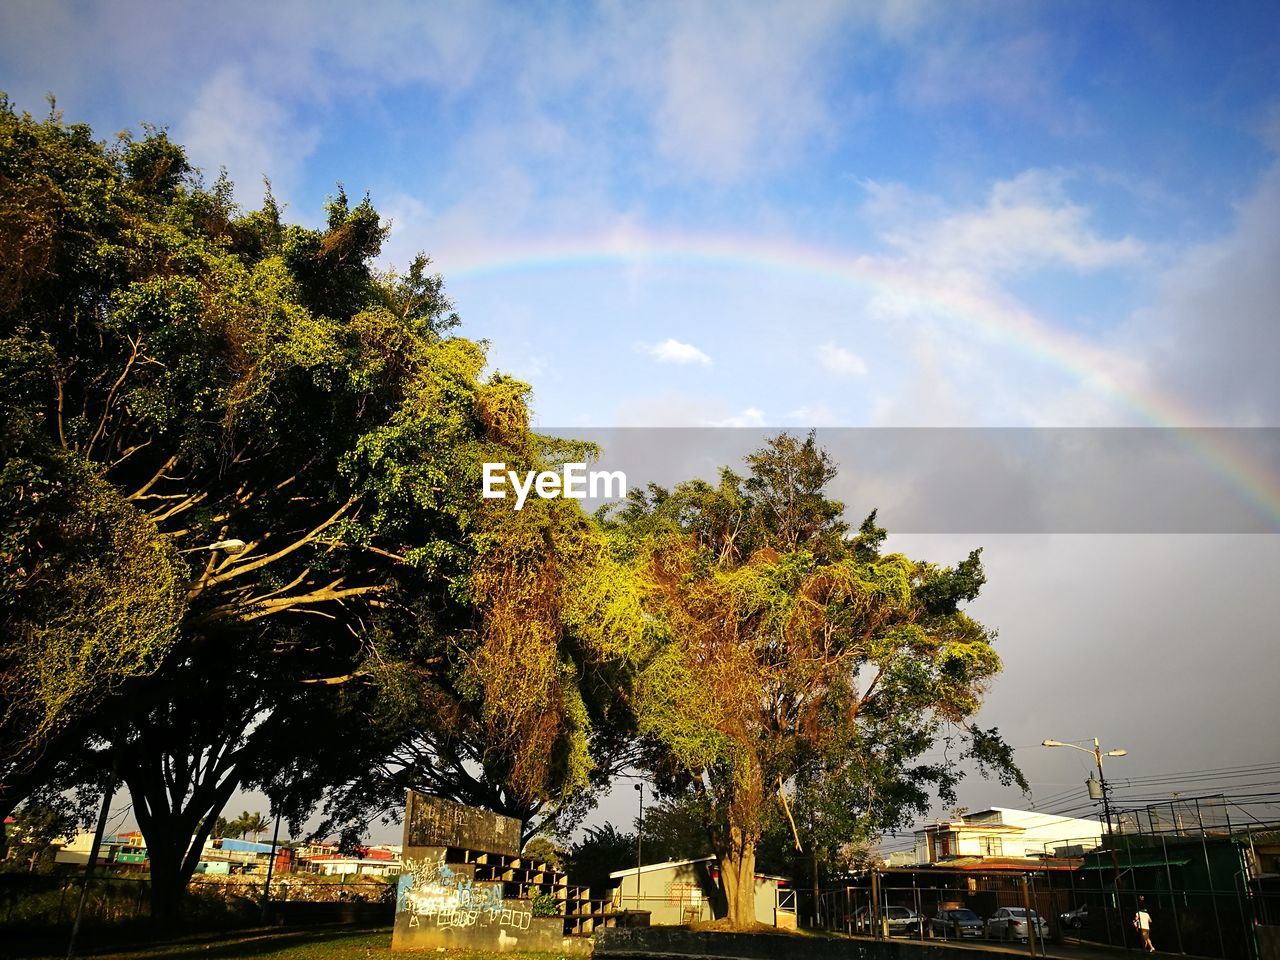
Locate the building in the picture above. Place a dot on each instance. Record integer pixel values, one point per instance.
(126, 848)
(229, 856)
(375, 861)
(1002, 833)
(681, 891)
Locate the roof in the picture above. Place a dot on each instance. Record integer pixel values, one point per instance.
(652, 867)
(993, 863)
(1104, 863)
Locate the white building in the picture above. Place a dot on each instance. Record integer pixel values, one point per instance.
(1001, 832)
(681, 891)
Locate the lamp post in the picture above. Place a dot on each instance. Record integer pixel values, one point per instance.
(1102, 779)
(639, 840)
(1106, 807)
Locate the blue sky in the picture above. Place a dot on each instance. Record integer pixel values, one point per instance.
(1078, 163)
(910, 213)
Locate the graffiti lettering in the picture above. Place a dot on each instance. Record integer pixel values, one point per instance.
(432, 892)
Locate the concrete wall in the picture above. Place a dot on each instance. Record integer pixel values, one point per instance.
(441, 905)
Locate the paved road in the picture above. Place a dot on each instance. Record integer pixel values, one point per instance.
(1050, 951)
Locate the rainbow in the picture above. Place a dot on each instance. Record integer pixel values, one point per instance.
(985, 312)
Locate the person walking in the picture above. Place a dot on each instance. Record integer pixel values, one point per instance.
(1142, 923)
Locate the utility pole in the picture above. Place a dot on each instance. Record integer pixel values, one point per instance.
(639, 841)
(108, 791)
(1106, 808)
(271, 864)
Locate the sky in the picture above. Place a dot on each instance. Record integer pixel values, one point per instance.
(829, 214)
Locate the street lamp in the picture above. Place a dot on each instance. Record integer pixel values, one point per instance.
(1106, 807)
(1097, 756)
(226, 546)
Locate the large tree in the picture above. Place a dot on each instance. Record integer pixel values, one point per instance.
(264, 457)
(796, 656)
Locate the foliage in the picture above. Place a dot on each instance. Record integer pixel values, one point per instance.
(245, 824)
(176, 372)
(794, 656)
(31, 836)
(544, 905)
(90, 597)
(599, 852)
(544, 848)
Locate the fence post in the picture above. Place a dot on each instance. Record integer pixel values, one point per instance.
(873, 910)
(1173, 900)
(1208, 872)
(1026, 905)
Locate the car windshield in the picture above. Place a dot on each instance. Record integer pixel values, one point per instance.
(897, 913)
(964, 915)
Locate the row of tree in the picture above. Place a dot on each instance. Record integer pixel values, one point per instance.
(242, 546)
(243, 825)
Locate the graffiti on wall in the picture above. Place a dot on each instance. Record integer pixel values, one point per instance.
(433, 893)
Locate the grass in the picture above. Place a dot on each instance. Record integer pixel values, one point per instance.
(311, 943)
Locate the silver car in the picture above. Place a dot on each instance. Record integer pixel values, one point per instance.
(900, 921)
(956, 923)
(1011, 923)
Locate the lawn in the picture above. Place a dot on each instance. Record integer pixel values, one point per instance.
(297, 944)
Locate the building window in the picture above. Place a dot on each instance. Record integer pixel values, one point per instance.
(992, 847)
(943, 845)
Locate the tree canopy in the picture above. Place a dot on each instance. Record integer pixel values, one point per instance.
(254, 457)
(795, 657)
(242, 545)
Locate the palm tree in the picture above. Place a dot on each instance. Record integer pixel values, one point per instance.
(240, 825)
(255, 823)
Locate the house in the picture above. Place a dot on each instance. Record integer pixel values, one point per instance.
(1003, 833)
(376, 861)
(229, 856)
(681, 891)
(126, 848)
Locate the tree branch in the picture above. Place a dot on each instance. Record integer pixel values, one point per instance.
(243, 568)
(111, 395)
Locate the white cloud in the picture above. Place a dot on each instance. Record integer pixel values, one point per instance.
(743, 87)
(750, 417)
(673, 351)
(841, 360)
(232, 124)
(1028, 222)
(1211, 338)
(814, 415)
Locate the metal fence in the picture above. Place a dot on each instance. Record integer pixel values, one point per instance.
(1069, 907)
(1211, 885)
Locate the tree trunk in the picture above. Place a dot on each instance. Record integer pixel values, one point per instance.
(738, 879)
(175, 825)
(166, 887)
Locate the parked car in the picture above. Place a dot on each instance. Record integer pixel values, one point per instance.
(1011, 923)
(902, 921)
(1076, 919)
(956, 923)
